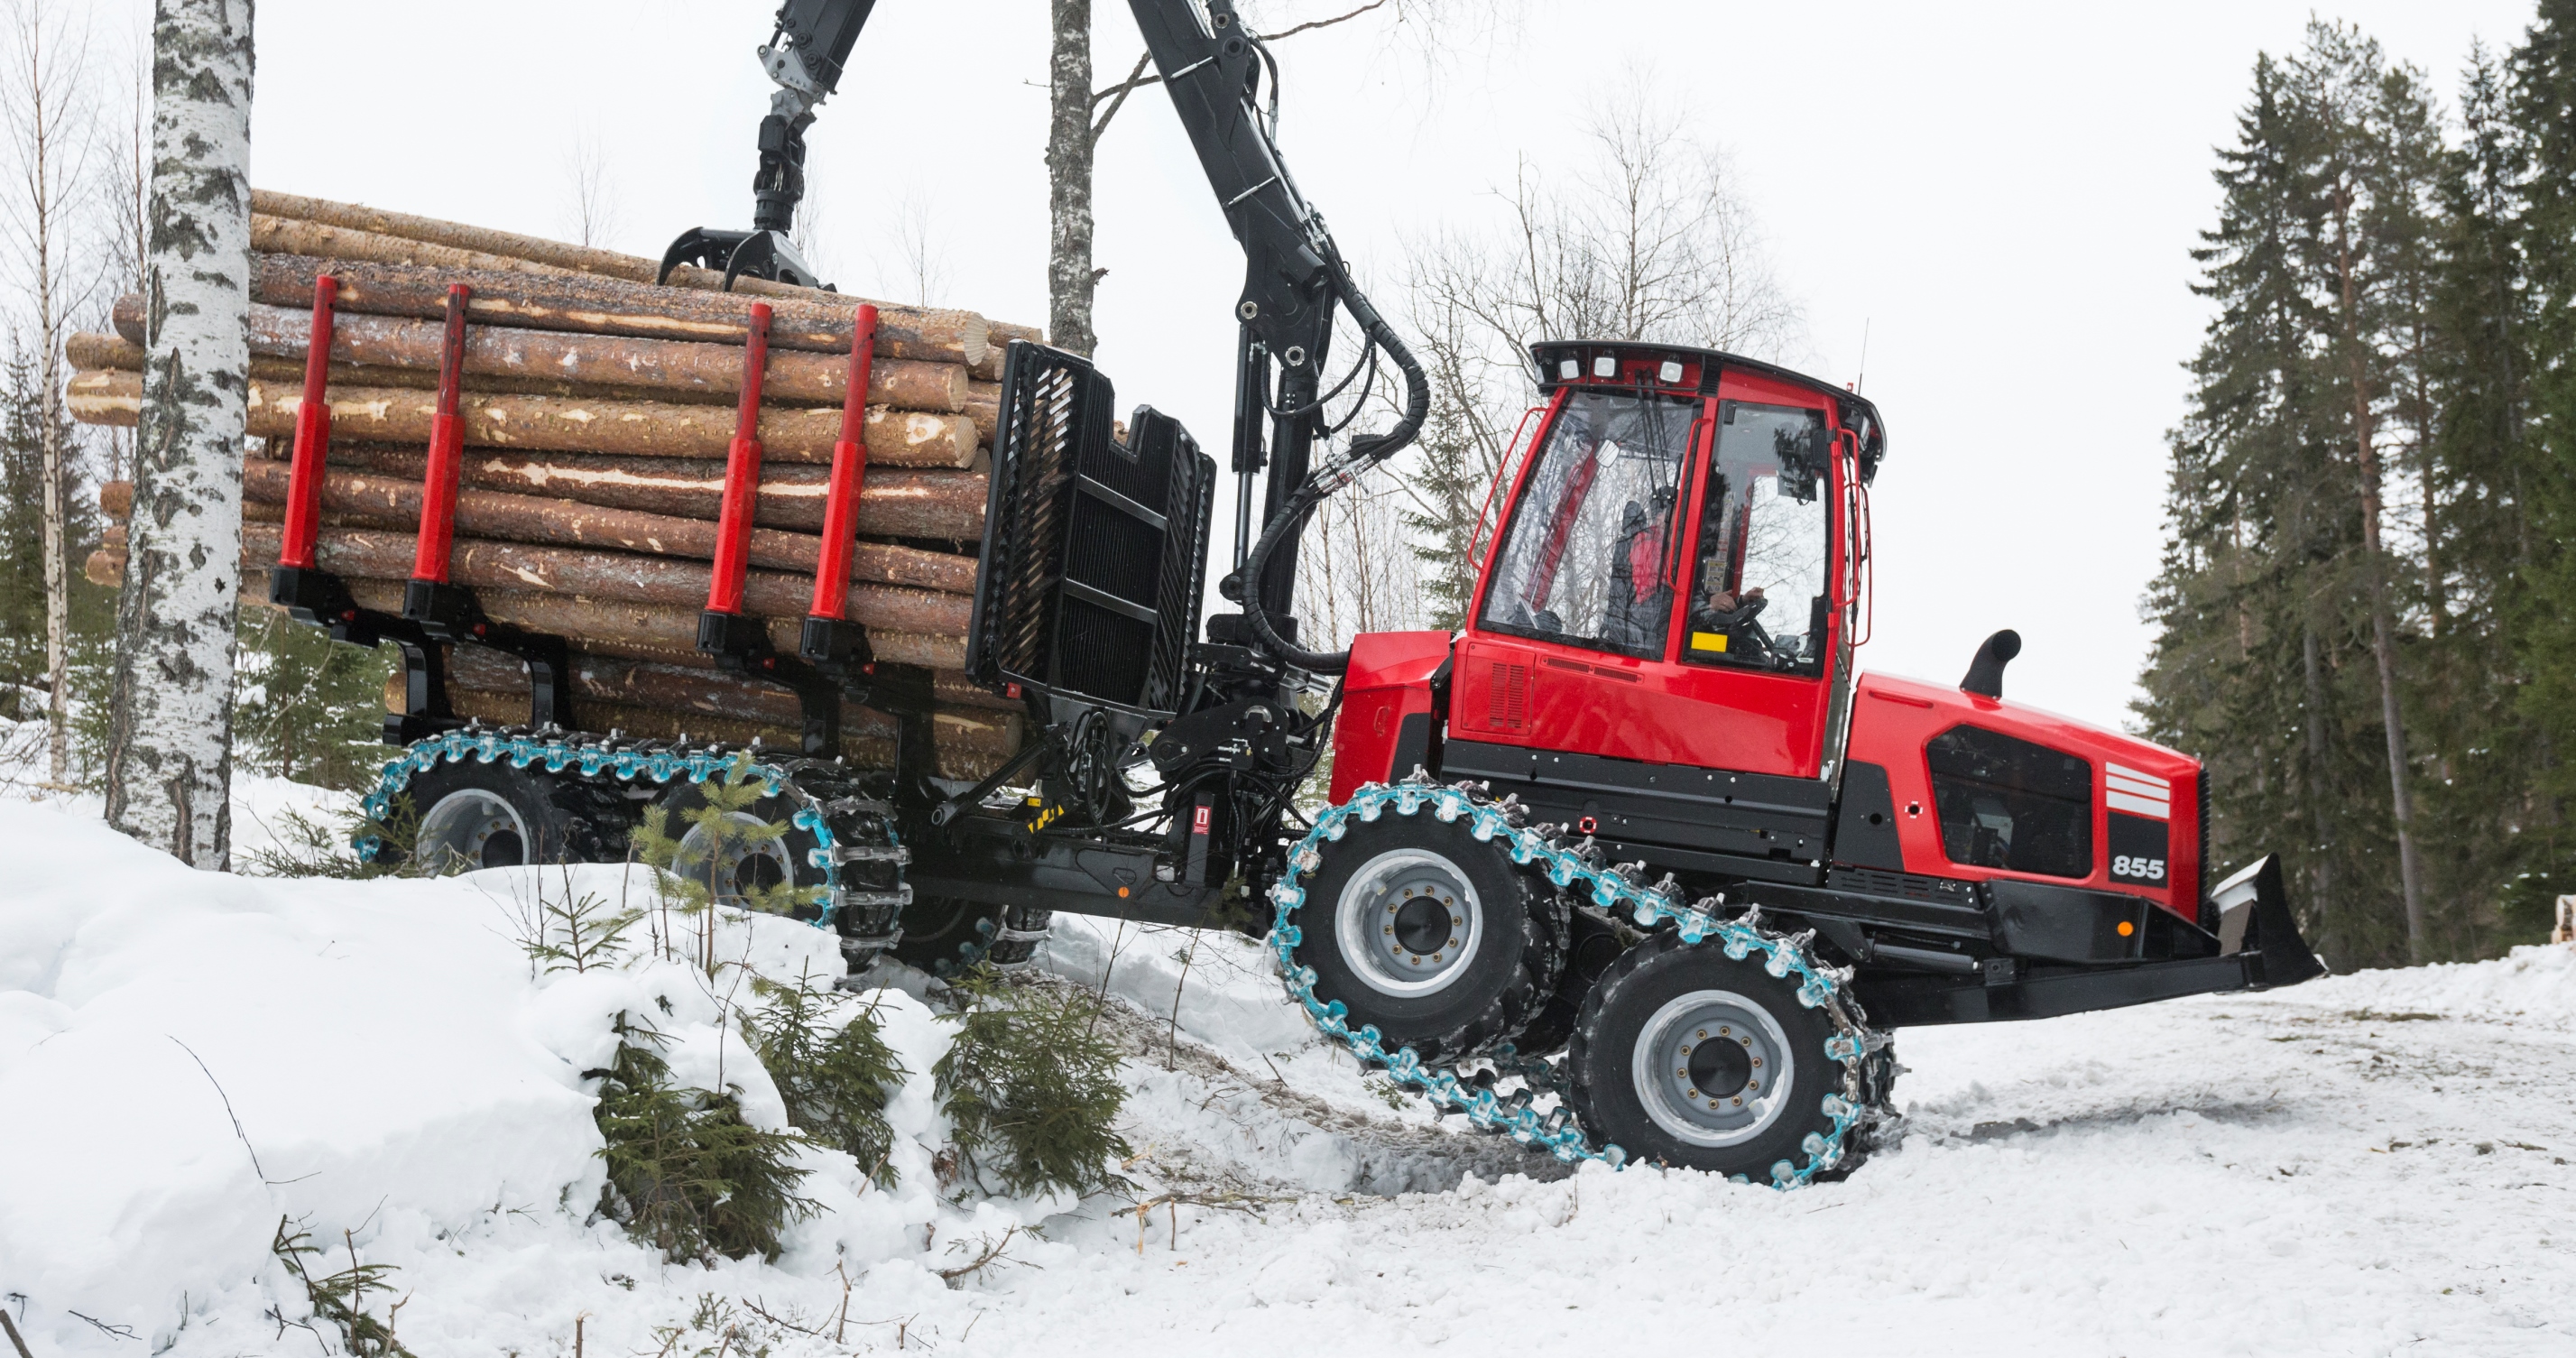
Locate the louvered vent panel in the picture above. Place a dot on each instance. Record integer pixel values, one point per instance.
(1507, 698)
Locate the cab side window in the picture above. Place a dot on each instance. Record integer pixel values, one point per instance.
(1587, 558)
(1758, 593)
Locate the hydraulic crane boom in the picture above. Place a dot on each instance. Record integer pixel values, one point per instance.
(1294, 278)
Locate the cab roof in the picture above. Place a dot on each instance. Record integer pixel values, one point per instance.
(1681, 369)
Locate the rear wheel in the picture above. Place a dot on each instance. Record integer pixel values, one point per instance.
(1686, 1056)
(475, 815)
(1430, 934)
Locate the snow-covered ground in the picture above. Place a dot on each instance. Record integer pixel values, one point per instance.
(2367, 1164)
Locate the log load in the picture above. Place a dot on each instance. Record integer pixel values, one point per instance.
(506, 248)
(905, 625)
(636, 428)
(589, 361)
(597, 414)
(894, 503)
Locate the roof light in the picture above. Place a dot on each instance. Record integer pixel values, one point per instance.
(1568, 370)
(1671, 371)
(1607, 365)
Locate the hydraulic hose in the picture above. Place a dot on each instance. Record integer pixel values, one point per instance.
(1362, 454)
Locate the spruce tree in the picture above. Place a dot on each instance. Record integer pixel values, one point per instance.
(2542, 110)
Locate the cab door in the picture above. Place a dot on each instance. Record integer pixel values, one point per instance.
(1663, 589)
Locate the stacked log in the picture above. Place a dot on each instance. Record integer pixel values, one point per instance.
(597, 410)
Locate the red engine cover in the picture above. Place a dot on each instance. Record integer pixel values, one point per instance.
(2150, 790)
(1388, 682)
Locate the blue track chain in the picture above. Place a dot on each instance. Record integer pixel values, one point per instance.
(600, 758)
(1819, 986)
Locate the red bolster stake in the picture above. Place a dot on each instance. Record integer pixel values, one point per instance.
(312, 436)
(849, 474)
(446, 448)
(742, 473)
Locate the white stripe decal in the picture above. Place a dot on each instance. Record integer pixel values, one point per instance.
(2130, 785)
(2117, 771)
(2121, 801)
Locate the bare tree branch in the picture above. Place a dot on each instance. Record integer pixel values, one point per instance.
(1137, 79)
(1313, 24)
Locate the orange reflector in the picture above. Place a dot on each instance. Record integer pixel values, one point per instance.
(2126, 928)
(1122, 895)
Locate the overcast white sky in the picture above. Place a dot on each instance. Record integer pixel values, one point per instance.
(2004, 195)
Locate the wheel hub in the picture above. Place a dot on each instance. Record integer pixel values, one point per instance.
(1410, 921)
(473, 828)
(744, 866)
(1713, 1068)
(1720, 1069)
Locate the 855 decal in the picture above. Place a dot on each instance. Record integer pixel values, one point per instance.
(2138, 851)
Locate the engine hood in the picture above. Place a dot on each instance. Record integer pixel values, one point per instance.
(2145, 811)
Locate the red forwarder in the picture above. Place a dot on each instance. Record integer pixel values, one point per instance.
(1653, 704)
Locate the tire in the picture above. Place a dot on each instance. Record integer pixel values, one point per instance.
(1654, 1072)
(947, 937)
(477, 815)
(1368, 914)
(1594, 946)
(786, 859)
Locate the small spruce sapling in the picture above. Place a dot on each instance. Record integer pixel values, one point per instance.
(701, 858)
(576, 933)
(340, 1300)
(1031, 1087)
(325, 846)
(834, 1073)
(686, 1174)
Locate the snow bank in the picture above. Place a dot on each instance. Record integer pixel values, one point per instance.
(189, 1057)
(2532, 985)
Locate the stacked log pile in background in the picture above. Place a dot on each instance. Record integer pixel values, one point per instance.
(598, 409)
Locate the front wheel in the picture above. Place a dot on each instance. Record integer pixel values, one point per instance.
(1431, 935)
(1689, 1057)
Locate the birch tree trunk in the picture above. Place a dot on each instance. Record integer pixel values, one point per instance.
(1070, 280)
(48, 126)
(169, 766)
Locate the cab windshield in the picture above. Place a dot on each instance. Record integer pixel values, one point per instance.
(1588, 556)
